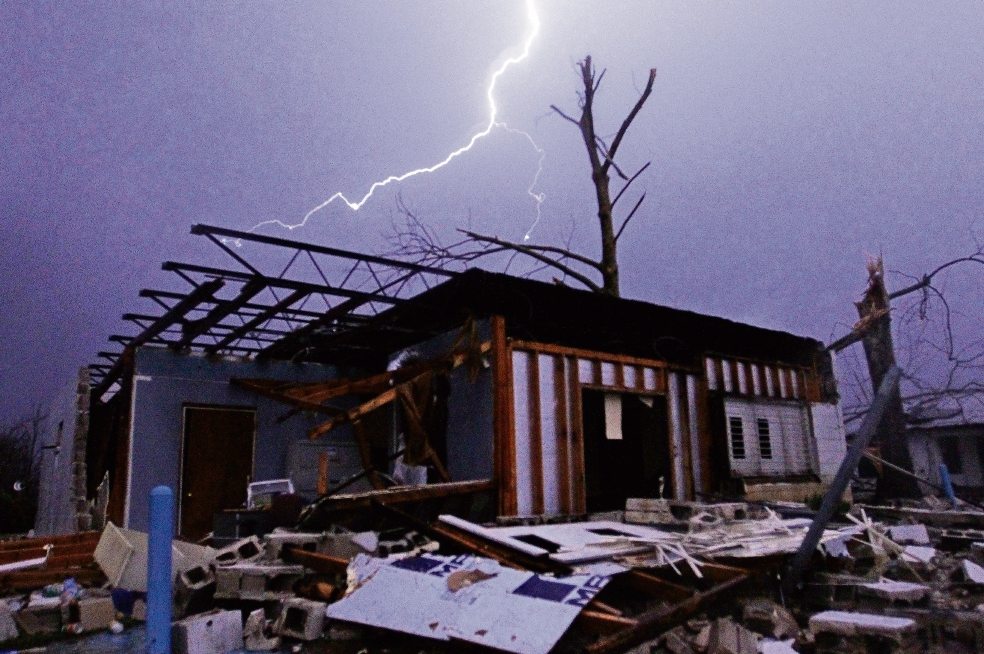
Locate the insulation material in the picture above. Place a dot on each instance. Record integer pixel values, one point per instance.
(524, 471)
(498, 607)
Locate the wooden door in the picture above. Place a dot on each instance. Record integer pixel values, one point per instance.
(216, 466)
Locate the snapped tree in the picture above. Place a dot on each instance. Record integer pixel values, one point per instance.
(420, 242)
(960, 383)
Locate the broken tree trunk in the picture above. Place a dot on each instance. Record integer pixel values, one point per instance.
(875, 316)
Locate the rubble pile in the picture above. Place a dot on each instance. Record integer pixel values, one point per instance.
(663, 576)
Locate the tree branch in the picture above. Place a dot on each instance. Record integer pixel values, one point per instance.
(631, 179)
(629, 217)
(632, 114)
(533, 253)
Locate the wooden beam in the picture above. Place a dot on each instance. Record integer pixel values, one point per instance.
(313, 560)
(599, 622)
(404, 495)
(562, 435)
(256, 386)
(593, 355)
(503, 421)
(382, 399)
(657, 620)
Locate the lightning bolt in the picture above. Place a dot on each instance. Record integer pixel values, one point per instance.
(534, 21)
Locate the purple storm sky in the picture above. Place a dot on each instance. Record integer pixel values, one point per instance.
(787, 140)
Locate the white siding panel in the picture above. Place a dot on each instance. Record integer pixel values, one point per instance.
(711, 372)
(524, 479)
(548, 436)
(729, 383)
(795, 438)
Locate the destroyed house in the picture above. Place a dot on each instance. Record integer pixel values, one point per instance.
(357, 374)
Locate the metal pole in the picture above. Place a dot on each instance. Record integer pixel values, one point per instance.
(159, 570)
(847, 467)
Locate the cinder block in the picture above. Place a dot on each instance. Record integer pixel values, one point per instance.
(843, 623)
(193, 590)
(227, 581)
(248, 549)
(254, 634)
(274, 543)
(909, 534)
(215, 632)
(96, 613)
(895, 591)
(256, 582)
(301, 619)
(39, 620)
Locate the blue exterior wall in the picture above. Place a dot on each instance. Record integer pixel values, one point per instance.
(470, 438)
(165, 382)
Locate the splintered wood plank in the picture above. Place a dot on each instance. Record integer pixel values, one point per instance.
(503, 418)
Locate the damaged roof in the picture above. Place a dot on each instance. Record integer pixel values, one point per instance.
(557, 314)
(290, 300)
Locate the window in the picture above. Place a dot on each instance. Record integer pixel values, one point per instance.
(737, 437)
(767, 438)
(765, 443)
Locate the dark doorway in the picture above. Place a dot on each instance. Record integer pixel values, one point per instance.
(216, 466)
(630, 466)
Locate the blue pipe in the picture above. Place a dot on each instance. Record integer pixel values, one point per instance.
(947, 484)
(159, 577)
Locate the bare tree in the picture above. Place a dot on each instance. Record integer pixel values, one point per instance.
(941, 373)
(417, 241)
